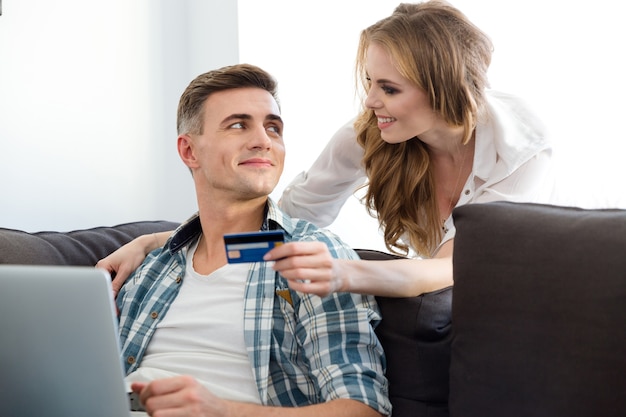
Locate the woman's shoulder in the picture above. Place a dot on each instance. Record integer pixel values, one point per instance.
(508, 134)
(513, 110)
(512, 122)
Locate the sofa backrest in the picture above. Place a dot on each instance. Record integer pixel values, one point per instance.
(79, 247)
(539, 312)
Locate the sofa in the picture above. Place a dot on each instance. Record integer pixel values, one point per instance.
(539, 311)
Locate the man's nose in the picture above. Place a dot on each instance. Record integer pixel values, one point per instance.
(260, 138)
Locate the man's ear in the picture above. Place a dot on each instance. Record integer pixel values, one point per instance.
(186, 150)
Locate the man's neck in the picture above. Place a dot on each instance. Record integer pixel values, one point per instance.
(217, 221)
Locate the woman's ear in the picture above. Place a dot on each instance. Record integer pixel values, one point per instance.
(186, 150)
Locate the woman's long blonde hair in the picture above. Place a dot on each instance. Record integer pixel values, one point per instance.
(437, 48)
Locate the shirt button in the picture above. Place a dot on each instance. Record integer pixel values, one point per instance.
(154, 314)
(130, 360)
(467, 192)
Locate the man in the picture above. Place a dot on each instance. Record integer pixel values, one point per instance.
(202, 337)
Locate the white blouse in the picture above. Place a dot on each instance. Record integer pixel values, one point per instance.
(512, 162)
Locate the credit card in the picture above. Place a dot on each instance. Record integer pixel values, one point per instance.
(251, 246)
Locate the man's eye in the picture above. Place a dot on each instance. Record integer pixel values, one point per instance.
(237, 125)
(274, 129)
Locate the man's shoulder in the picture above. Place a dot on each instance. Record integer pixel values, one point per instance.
(306, 231)
(300, 230)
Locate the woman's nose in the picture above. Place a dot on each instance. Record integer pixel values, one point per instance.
(372, 101)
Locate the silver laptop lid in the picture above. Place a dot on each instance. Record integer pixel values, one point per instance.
(59, 349)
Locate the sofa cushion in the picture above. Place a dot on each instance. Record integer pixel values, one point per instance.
(415, 333)
(539, 311)
(79, 247)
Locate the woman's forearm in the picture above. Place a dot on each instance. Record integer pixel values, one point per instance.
(396, 278)
(159, 240)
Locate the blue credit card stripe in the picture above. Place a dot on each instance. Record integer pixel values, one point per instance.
(252, 245)
(274, 235)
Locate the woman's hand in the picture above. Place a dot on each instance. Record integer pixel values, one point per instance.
(308, 266)
(121, 263)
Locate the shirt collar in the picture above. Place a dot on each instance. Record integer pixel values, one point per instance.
(191, 229)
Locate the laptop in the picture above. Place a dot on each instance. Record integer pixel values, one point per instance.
(59, 346)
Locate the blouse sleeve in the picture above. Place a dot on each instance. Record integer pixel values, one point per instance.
(318, 194)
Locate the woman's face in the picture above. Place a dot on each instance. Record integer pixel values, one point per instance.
(402, 108)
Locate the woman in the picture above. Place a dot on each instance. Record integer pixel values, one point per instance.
(430, 137)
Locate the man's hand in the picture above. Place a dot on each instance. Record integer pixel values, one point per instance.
(183, 396)
(179, 396)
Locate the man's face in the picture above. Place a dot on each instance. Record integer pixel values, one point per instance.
(240, 153)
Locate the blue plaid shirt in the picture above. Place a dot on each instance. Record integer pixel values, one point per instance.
(303, 349)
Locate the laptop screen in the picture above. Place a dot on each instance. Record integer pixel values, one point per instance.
(60, 353)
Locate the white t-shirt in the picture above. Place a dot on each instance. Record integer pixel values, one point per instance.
(202, 335)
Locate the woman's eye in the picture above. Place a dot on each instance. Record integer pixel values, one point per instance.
(389, 90)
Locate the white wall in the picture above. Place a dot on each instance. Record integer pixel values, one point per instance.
(88, 96)
(566, 59)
